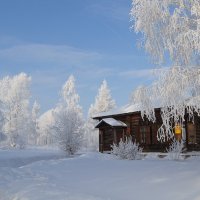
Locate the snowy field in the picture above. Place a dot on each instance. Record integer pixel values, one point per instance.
(47, 175)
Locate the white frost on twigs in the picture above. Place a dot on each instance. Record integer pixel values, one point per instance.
(175, 149)
(176, 92)
(169, 27)
(127, 149)
(103, 103)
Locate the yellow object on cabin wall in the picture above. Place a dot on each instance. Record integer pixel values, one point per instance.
(178, 129)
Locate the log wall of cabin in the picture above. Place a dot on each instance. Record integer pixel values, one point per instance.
(193, 134)
(136, 126)
(197, 122)
(109, 135)
(105, 137)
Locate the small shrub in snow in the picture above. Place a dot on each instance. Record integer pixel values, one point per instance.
(127, 149)
(175, 149)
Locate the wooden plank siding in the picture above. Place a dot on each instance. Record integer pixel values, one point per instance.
(144, 132)
(195, 144)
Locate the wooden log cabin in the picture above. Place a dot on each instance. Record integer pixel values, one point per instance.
(116, 125)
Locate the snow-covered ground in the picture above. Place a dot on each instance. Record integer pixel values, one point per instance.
(48, 175)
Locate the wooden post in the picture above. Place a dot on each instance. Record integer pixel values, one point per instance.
(123, 135)
(151, 135)
(101, 141)
(115, 135)
(186, 130)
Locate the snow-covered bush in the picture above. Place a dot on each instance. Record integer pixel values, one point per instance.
(127, 150)
(175, 149)
(68, 130)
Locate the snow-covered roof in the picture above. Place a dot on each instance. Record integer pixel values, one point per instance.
(129, 108)
(112, 122)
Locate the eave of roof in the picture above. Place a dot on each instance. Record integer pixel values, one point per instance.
(125, 110)
(121, 111)
(111, 122)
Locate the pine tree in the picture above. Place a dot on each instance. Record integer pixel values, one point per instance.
(103, 103)
(103, 100)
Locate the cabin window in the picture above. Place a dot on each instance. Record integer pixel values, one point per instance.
(191, 128)
(133, 133)
(143, 132)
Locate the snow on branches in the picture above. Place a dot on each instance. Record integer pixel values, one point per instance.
(143, 97)
(68, 118)
(176, 92)
(175, 149)
(103, 100)
(15, 96)
(103, 103)
(171, 26)
(170, 29)
(127, 149)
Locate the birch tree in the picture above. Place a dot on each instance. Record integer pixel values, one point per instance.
(15, 95)
(170, 30)
(69, 119)
(169, 27)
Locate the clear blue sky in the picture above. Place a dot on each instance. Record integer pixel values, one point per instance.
(91, 39)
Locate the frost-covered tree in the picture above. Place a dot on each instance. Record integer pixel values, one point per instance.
(103, 103)
(69, 119)
(34, 124)
(15, 95)
(103, 100)
(169, 27)
(177, 93)
(2, 136)
(171, 30)
(45, 133)
(35, 112)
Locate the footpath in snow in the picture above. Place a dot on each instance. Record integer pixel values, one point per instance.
(48, 175)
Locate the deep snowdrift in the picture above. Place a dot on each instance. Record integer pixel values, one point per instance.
(95, 176)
